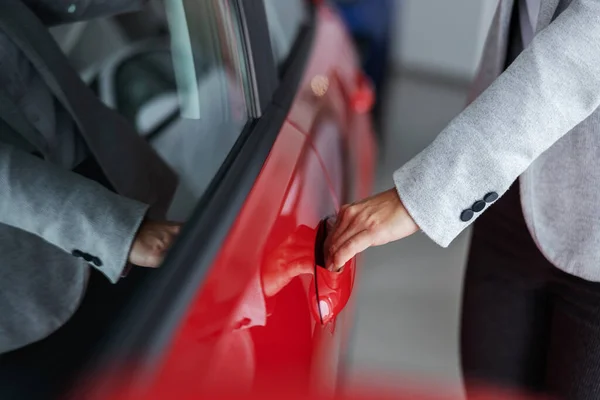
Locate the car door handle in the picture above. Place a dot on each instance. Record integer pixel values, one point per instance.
(362, 98)
(332, 289)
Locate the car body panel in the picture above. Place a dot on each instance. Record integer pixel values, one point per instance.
(291, 192)
(303, 180)
(338, 130)
(239, 332)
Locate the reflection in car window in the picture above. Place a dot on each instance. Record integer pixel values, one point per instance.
(142, 79)
(285, 19)
(186, 91)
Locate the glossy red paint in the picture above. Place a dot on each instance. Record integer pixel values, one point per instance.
(253, 324)
(363, 98)
(332, 292)
(370, 387)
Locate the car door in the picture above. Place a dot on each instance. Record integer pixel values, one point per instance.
(293, 193)
(332, 110)
(205, 319)
(304, 179)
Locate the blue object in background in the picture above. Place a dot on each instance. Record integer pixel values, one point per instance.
(370, 22)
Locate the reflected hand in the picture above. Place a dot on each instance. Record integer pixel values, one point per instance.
(152, 242)
(294, 257)
(375, 221)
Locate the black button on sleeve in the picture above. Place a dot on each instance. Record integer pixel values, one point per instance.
(97, 262)
(88, 257)
(77, 253)
(491, 197)
(478, 206)
(466, 215)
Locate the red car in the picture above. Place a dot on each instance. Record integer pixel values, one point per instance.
(262, 109)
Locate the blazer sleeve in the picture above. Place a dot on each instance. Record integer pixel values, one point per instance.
(56, 12)
(549, 89)
(67, 210)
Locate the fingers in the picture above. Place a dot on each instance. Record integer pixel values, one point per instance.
(168, 231)
(301, 265)
(169, 235)
(153, 259)
(352, 229)
(153, 254)
(152, 243)
(292, 246)
(349, 225)
(171, 227)
(174, 228)
(275, 281)
(383, 215)
(350, 248)
(341, 223)
(338, 218)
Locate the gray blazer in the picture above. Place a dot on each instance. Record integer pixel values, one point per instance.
(55, 224)
(538, 120)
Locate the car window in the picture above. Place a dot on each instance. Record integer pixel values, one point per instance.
(285, 20)
(185, 87)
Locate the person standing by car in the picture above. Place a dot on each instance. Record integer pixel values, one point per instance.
(531, 307)
(80, 188)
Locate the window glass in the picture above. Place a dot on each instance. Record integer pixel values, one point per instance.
(184, 84)
(285, 20)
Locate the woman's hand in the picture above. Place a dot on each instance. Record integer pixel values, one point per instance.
(152, 242)
(375, 221)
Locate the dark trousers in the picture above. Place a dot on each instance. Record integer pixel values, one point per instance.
(525, 323)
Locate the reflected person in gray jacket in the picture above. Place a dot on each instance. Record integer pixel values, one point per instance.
(80, 189)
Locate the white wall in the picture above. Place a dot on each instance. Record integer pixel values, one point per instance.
(442, 36)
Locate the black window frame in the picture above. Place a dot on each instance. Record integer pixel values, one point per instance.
(148, 324)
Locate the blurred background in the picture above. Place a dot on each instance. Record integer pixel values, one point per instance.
(410, 292)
